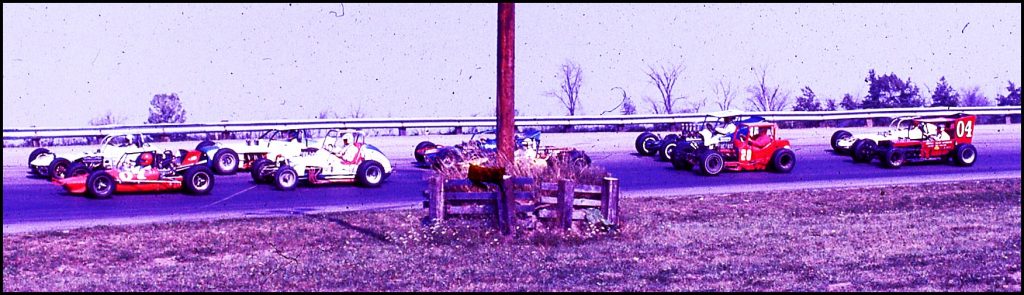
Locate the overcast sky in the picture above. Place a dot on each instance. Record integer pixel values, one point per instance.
(64, 64)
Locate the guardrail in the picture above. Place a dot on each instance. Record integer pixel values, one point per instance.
(404, 123)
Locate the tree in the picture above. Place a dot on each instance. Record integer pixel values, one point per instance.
(807, 101)
(831, 105)
(166, 109)
(665, 80)
(972, 97)
(764, 97)
(1012, 98)
(726, 94)
(356, 112)
(849, 103)
(327, 113)
(628, 107)
(944, 95)
(107, 119)
(569, 94)
(889, 91)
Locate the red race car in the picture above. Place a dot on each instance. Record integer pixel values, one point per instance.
(943, 138)
(754, 146)
(149, 172)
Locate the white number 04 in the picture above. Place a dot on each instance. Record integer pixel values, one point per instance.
(964, 129)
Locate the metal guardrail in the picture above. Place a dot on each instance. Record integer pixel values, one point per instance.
(403, 123)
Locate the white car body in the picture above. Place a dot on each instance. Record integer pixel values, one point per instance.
(273, 145)
(111, 149)
(331, 162)
(897, 131)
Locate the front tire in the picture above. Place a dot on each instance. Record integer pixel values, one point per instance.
(711, 163)
(644, 142)
(965, 155)
(286, 178)
(32, 157)
(198, 180)
(893, 158)
(59, 168)
(836, 137)
(668, 150)
(370, 174)
(257, 170)
(420, 146)
(225, 161)
(100, 185)
(783, 160)
(863, 150)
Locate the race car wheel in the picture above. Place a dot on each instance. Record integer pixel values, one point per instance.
(198, 180)
(893, 158)
(679, 161)
(100, 185)
(965, 155)
(579, 160)
(225, 161)
(77, 168)
(420, 146)
(711, 162)
(836, 137)
(204, 143)
(863, 150)
(257, 170)
(286, 178)
(32, 157)
(59, 168)
(644, 143)
(370, 174)
(667, 150)
(783, 160)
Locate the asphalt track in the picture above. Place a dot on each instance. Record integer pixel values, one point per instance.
(35, 204)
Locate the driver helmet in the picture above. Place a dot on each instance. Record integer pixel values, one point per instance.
(144, 159)
(346, 139)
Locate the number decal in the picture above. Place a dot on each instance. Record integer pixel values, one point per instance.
(964, 129)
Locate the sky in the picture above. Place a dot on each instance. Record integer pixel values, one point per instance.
(64, 64)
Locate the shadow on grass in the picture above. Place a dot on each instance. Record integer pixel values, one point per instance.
(365, 231)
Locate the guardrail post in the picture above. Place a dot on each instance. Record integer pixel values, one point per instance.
(401, 131)
(458, 130)
(436, 210)
(869, 122)
(610, 199)
(620, 128)
(1009, 119)
(36, 142)
(566, 194)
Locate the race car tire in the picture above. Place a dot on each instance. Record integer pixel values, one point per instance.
(286, 178)
(198, 180)
(416, 153)
(711, 162)
(370, 174)
(965, 155)
(225, 161)
(257, 169)
(32, 157)
(892, 158)
(643, 142)
(77, 168)
(863, 150)
(579, 160)
(783, 160)
(205, 143)
(59, 168)
(100, 185)
(838, 135)
(668, 149)
(679, 161)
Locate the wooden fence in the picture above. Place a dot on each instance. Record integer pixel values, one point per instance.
(563, 202)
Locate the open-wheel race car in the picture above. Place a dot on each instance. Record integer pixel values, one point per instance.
(753, 146)
(44, 163)
(483, 145)
(938, 138)
(343, 156)
(899, 128)
(144, 171)
(648, 143)
(273, 145)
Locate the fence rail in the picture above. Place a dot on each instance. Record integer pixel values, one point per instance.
(403, 123)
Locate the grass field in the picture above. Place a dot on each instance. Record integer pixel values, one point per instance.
(962, 236)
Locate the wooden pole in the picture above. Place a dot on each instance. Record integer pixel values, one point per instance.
(506, 82)
(436, 211)
(610, 199)
(566, 193)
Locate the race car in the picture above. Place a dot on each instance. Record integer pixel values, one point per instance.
(648, 143)
(482, 145)
(842, 141)
(44, 163)
(754, 146)
(343, 156)
(145, 171)
(274, 145)
(942, 138)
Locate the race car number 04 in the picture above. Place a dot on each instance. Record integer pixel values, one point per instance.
(964, 129)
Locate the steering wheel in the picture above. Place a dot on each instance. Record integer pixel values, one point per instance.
(329, 147)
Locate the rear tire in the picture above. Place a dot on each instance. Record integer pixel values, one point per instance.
(644, 142)
(59, 168)
(370, 174)
(225, 161)
(965, 155)
(863, 150)
(32, 157)
(783, 160)
(100, 185)
(668, 150)
(416, 153)
(198, 180)
(892, 158)
(711, 163)
(77, 168)
(286, 178)
(838, 135)
(257, 169)
(204, 143)
(447, 159)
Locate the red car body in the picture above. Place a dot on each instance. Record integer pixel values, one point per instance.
(149, 178)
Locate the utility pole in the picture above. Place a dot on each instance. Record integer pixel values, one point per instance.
(506, 82)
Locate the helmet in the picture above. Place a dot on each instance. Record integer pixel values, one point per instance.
(346, 139)
(145, 159)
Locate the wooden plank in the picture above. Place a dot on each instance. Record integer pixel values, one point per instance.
(550, 214)
(451, 183)
(523, 196)
(575, 202)
(473, 196)
(580, 188)
(610, 200)
(522, 181)
(471, 209)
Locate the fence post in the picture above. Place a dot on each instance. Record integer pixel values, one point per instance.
(610, 199)
(436, 187)
(566, 193)
(506, 205)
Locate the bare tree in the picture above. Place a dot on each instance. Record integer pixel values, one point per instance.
(357, 112)
(726, 94)
(569, 94)
(665, 79)
(107, 119)
(764, 97)
(327, 113)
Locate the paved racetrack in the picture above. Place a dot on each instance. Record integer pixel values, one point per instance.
(30, 203)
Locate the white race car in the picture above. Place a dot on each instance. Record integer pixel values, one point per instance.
(343, 156)
(273, 145)
(900, 128)
(46, 164)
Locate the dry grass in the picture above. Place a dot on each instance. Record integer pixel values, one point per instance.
(950, 237)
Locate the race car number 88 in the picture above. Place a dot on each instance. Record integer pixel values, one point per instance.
(964, 129)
